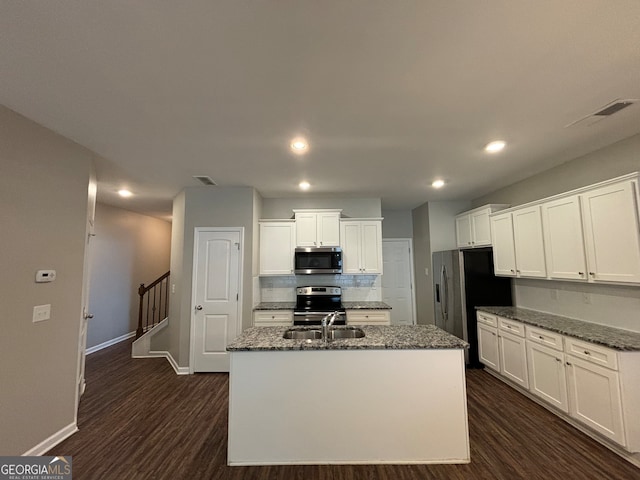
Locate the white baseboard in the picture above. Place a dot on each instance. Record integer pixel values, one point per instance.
(108, 343)
(47, 444)
(164, 354)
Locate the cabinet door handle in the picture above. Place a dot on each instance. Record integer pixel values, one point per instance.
(541, 337)
(517, 271)
(580, 273)
(592, 274)
(568, 364)
(558, 360)
(513, 271)
(587, 352)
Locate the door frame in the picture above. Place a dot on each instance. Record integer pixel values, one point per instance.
(196, 232)
(409, 242)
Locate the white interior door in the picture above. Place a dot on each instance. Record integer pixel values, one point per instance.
(216, 307)
(86, 276)
(397, 281)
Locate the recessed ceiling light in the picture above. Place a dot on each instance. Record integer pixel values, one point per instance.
(438, 184)
(495, 146)
(304, 185)
(299, 145)
(124, 193)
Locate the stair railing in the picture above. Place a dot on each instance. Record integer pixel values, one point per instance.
(154, 303)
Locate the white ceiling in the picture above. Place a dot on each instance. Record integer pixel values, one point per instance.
(391, 94)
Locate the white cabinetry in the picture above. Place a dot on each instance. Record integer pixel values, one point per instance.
(612, 232)
(513, 355)
(545, 363)
(594, 397)
(317, 228)
(472, 227)
(518, 245)
(272, 318)
(564, 242)
(589, 234)
(361, 242)
(488, 349)
(368, 317)
(277, 245)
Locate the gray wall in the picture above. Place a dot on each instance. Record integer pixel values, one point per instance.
(442, 223)
(618, 159)
(397, 224)
(422, 260)
(128, 249)
(612, 305)
(204, 207)
(44, 185)
(351, 207)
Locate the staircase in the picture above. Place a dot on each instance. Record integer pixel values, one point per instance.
(153, 313)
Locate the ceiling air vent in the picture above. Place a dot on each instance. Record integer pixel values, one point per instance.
(604, 112)
(204, 179)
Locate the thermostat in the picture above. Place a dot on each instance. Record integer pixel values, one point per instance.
(43, 276)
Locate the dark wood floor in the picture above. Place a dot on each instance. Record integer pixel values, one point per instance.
(138, 420)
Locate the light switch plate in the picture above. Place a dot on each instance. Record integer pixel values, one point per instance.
(41, 313)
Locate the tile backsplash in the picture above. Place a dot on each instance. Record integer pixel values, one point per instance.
(354, 287)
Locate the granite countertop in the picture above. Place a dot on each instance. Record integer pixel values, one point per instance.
(363, 305)
(611, 337)
(395, 337)
(360, 305)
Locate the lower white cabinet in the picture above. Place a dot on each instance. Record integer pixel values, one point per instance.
(488, 350)
(368, 317)
(594, 398)
(513, 358)
(547, 377)
(272, 318)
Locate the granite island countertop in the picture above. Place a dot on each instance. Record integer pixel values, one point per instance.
(615, 338)
(359, 305)
(388, 337)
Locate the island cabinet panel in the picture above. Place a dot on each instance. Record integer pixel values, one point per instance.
(280, 414)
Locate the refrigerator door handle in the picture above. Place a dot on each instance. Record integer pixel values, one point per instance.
(445, 293)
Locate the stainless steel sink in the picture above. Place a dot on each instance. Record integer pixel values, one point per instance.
(348, 332)
(296, 334)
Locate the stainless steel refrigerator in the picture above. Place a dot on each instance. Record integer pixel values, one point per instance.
(464, 280)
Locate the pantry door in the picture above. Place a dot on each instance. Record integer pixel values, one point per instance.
(397, 280)
(216, 307)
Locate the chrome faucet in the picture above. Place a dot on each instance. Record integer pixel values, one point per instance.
(326, 322)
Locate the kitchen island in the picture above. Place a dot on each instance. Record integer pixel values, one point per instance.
(398, 395)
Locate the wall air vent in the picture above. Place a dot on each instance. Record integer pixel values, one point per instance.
(204, 179)
(604, 112)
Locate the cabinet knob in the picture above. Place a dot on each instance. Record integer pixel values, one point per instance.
(541, 337)
(592, 274)
(513, 271)
(587, 352)
(580, 273)
(558, 360)
(568, 364)
(517, 271)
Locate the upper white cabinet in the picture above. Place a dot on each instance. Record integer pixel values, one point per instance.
(590, 234)
(472, 227)
(361, 242)
(317, 228)
(518, 246)
(563, 238)
(277, 244)
(612, 232)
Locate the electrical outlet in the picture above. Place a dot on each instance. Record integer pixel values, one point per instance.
(426, 272)
(173, 288)
(41, 313)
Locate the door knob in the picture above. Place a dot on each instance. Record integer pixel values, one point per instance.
(88, 315)
(198, 307)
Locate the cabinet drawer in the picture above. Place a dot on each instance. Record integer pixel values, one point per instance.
(272, 318)
(590, 352)
(511, 326)
(487, 319)
(544, 337)
(368, 317)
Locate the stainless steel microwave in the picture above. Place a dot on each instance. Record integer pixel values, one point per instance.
(318, 260)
